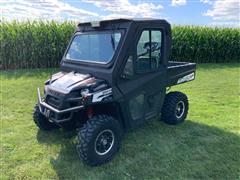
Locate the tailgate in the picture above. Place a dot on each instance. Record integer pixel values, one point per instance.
(180, 72)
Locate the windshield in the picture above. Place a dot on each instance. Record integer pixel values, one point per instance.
(98, 47)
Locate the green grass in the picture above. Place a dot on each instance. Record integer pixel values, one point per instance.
(206, 146)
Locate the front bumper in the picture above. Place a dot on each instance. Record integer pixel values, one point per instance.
(46, 109)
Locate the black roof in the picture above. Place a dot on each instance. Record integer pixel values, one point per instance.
(119, 20)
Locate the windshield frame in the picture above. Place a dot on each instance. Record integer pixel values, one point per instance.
(86, 62)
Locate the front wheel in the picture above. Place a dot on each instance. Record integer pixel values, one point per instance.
(99, 139)
(175, 108)
(41, 121)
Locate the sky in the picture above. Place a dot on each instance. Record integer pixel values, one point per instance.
(178, 12)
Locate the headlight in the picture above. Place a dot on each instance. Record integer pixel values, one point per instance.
(47, 82)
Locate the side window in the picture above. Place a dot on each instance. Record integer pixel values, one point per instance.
(149, 51)
(156, 49)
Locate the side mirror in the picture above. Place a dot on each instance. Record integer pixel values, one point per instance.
(128, 69)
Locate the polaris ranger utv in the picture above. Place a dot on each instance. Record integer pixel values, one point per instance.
(114, 76)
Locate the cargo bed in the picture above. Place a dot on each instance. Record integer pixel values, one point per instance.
(180, 72)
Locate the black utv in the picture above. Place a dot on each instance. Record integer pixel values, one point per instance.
(114, 76)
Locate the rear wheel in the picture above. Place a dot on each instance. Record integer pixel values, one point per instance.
(175, 108)
(41, 121)
(99, 139)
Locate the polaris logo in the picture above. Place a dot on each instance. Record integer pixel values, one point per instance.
(186, 78)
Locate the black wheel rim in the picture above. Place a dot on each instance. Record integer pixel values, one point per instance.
(104, 142)
(180, 109)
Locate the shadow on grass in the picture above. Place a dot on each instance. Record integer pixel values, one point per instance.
(55, 136)
(156, 150)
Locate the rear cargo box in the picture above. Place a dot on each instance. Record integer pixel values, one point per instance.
(180, 72)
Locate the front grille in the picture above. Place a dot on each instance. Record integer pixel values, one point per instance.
(52, 101)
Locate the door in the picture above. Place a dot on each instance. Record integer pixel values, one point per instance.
(143, 80)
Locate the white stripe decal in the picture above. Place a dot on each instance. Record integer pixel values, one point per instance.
(186, 78)
(97, 97)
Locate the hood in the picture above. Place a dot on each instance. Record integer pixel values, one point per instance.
(66, 82)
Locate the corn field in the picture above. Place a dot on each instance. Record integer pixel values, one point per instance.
(41, 44)
(205, 44)
(33, 44)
